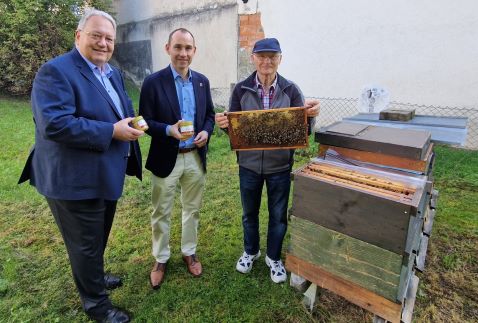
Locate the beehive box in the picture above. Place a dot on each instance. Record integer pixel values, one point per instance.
(283, 128)
(410, 144)
(358, 229)
(370, 205)
(422, 166)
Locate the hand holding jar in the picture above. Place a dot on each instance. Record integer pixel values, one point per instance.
(139, 123)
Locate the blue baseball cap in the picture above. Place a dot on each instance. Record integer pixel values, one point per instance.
(267, 45)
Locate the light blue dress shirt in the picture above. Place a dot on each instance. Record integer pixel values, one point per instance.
(187, 102)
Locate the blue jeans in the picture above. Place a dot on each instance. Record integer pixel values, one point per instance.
(278, 188)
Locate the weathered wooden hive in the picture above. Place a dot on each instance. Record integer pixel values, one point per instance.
(361, 215)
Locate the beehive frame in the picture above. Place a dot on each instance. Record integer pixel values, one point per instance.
(282, 128)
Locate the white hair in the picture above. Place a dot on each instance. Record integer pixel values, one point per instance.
(90, 12)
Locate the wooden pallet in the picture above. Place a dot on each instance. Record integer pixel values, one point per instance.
(384, 309)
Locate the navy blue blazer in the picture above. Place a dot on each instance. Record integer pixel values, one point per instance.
(75, 156)
(159, 106)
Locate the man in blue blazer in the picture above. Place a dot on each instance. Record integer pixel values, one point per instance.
(84, 146)
(173, 94)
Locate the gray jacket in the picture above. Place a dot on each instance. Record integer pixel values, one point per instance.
(246, 97)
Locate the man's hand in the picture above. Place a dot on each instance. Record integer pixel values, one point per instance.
(122, 131)
(174, 131)
(221, 120)
(201, 139)
(312, 107)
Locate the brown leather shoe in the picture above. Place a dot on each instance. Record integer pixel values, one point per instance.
(193, 264)
(157, 274)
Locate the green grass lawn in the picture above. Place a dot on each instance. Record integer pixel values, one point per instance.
(36, 283)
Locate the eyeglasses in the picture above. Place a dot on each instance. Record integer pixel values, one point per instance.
(98, 37)
(262, 57)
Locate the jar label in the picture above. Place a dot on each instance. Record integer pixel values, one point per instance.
(187, 128)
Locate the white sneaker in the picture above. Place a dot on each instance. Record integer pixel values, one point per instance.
(278, 274)
(244, 264)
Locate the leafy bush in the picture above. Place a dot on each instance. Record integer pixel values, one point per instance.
(32, 32)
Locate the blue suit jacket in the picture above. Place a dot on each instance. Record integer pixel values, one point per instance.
(75, 156)
(159, 106)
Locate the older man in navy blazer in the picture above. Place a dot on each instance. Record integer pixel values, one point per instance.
(83, 148)
(168, 96)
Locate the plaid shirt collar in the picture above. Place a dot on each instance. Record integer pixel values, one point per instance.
(266, 98)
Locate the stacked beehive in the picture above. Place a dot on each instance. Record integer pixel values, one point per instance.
(360, 215)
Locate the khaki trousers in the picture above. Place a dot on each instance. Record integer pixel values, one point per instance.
(190, 175)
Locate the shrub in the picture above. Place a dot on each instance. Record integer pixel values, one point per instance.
(32, 32)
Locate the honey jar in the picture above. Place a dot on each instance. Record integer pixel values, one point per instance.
(186, 128)
(139, 123)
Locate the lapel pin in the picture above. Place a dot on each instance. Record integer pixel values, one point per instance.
(200, 84)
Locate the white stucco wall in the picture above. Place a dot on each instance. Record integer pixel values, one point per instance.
(216, 54)
(423, 52)
(213, 23)
(137, 10)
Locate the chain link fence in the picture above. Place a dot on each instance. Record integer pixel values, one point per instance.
(220, 97)
(335, 109)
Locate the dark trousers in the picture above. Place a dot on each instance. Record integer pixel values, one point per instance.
(278, 188)
(85, 226)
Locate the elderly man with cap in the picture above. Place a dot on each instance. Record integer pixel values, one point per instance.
(265, 89)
